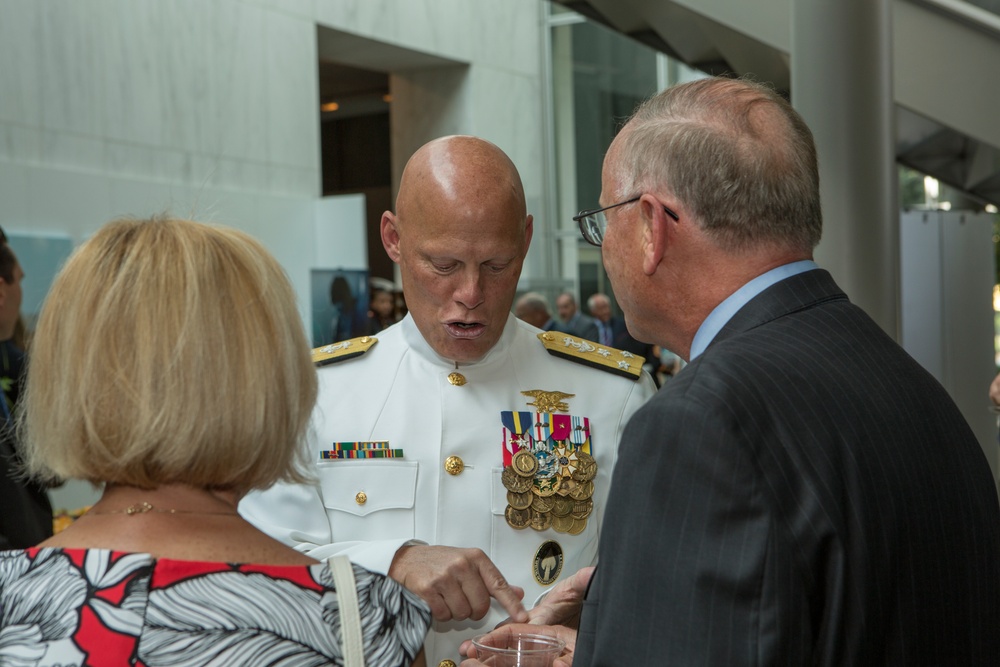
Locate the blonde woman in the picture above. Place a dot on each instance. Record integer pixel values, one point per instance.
(170, 367)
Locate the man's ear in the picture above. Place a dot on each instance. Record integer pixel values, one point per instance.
(656, 233)
(390, 235)
(529, 228)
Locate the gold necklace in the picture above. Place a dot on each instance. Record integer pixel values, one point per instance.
(145, 508)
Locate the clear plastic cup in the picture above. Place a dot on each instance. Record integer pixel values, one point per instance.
(518, 650)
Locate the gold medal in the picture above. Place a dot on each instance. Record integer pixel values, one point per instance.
(582, 508)
(562, 506)
(542, 504)
(562, 524)
(582, 492)
(514, 482)
(565, 486)
(524, 463)
(518, 519)
(578, 526)
(586, 467)
(520, 501)
(540, 521)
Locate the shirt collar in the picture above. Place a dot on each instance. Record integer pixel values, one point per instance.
(724, 311)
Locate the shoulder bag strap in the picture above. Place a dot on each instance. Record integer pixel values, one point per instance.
(350, 615)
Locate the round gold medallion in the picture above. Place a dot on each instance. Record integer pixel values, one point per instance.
(542, 504)
(524, 463)
(514, 482)
(562, 524)
(582, 492)
(540, 521)
(520, 501)
(562, 506)
(453, 465)
(586, 467)
(361, 498)
(447, 663)
(565, 486)
(516, 518)
(582, 508)
(577, 527)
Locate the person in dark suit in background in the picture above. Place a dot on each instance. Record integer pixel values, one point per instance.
(25, 510)
(575, 322)
(534, 309)
(803, 492)
(612, 331)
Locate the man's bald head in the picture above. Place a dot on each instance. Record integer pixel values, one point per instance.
(456, 169)
(459, 234)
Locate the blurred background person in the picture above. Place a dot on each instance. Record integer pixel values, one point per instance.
(534, 309)
(342, 301)
(613, 333)
(172, 369)
(575, 322)
(25, 510)
(381, 310)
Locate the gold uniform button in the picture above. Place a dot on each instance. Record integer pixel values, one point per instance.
(361, 498)
(453, 465)
(457, 379)
(447, 663)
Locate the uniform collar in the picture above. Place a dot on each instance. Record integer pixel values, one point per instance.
(415, 341)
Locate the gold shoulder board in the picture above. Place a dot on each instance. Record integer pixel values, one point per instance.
(593, 354)
(342, 351)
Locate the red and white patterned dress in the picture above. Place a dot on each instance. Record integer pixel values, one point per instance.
(98, 607)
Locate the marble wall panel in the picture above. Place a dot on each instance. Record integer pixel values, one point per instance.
(426, 104)
(303, 9)
(14, 211)
(282, 180)
(73, 151)
(189, 110)
(73, 203)
(72, 75)
(292, 100)
(507, 109)
(133, 88)
(20, 47)
(158, 164)
(142, 199)
(239, 82)
(508, 36)
(20, 143)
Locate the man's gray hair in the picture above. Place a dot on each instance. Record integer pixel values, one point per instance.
(737, 155)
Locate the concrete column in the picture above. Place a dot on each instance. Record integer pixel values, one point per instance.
(841, 83)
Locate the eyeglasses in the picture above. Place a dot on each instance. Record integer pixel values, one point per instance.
(594, 223)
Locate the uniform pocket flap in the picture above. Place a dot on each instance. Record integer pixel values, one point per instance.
(364, 487)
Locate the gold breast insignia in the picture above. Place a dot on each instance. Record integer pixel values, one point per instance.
(549, 401)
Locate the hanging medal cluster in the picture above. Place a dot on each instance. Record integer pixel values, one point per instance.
(548, 467)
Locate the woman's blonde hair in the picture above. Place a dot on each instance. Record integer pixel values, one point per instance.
(169, 351)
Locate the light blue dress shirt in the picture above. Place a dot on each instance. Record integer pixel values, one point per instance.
(724, 311)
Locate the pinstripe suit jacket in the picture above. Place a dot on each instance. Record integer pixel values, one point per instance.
(803, 493)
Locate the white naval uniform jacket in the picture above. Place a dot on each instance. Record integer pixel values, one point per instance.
(398, 391)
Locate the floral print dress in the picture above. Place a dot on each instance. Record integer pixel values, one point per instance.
(97, 607)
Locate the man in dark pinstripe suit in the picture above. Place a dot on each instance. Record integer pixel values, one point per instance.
(803, 492)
